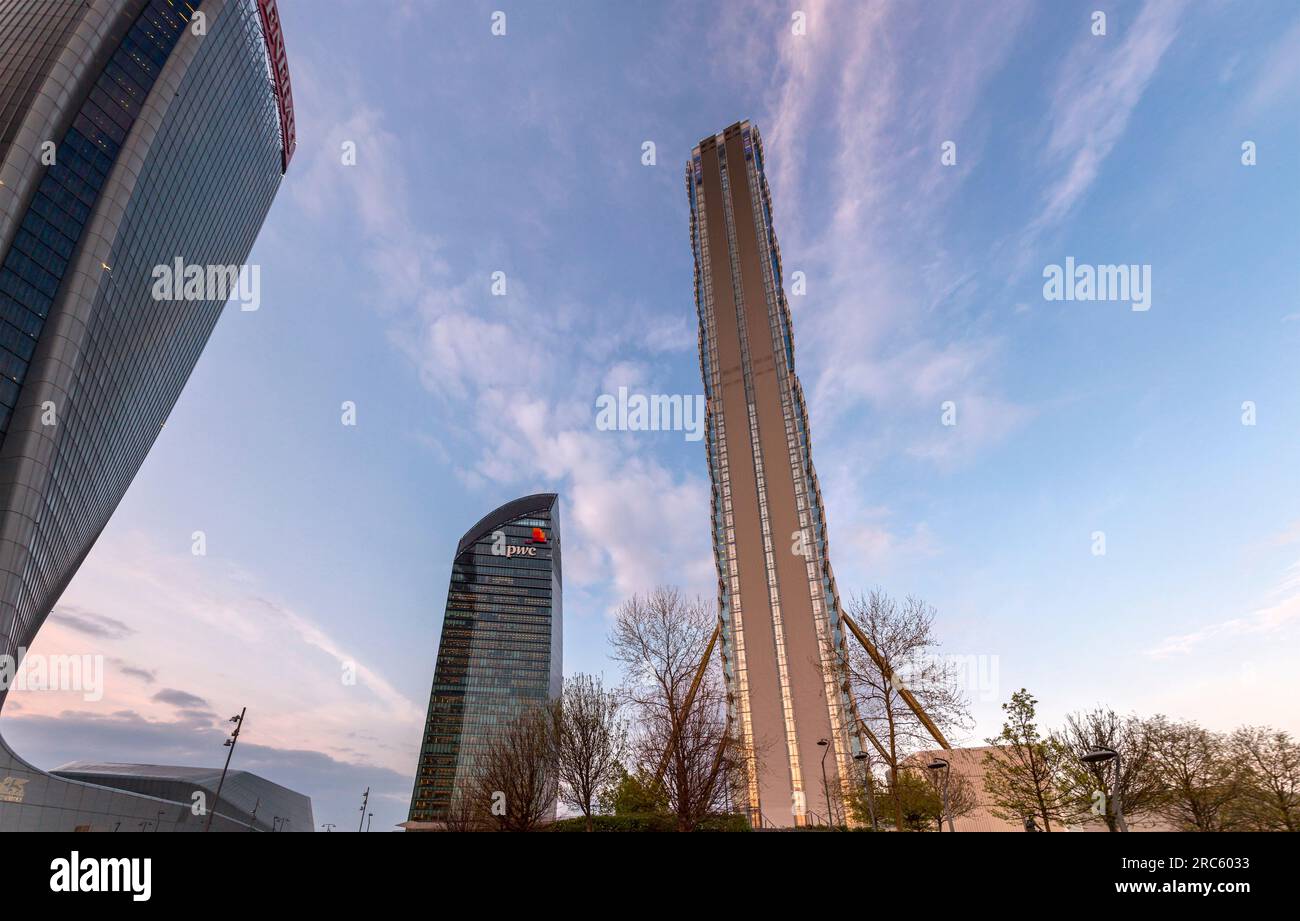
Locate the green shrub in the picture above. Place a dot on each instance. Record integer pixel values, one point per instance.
(650, 821)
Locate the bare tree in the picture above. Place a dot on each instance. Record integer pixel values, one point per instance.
(513, 784)
(963, 799)
(1202, 782)
(1022, 774)
(1088, 790)
(903, 636)
(660, 640)
(464, 813)
(590, 742)
(1269, 760)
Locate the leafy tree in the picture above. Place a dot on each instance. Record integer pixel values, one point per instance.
(1021, 776)
(919, 793)
(633, 794)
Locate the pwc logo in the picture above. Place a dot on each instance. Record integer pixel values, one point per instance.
(501, 548)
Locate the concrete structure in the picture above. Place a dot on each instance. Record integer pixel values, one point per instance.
(969, 764)
(133, 133)
(776, 594)
(501, 649)
(248, 802)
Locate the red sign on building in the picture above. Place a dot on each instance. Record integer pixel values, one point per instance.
(280, 69)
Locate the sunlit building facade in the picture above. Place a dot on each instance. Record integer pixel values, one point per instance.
(782, 636)
(132, 133)
(501, 648)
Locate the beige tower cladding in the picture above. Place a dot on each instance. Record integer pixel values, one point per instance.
(780, 613)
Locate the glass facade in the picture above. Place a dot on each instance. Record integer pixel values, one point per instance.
(168, 145)
(41, 250)
(207, 176)
(501, 644)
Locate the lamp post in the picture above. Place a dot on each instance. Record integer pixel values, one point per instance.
(1100, 755)
(865, 760)
(328, 826)
(230, 743)
(826, 787)
(941, 764)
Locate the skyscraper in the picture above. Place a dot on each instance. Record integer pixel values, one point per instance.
(781, 628)
(501, 647)
(133, 134)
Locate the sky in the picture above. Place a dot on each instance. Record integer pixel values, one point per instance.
(928, 162)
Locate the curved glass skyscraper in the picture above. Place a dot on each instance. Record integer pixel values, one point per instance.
(501, 647)
(133, 134)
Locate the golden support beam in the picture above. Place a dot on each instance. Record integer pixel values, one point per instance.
(686, 705)
(862, 724)
(896, 683)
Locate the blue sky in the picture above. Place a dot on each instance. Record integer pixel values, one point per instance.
(329, 546)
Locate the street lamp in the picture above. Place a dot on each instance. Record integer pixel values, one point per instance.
(826, 787)
(1100, 755)
(230, 744)
(940, 764)
(865, 760)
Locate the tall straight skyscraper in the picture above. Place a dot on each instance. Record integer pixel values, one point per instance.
(133, 134)
(781, 627)
(501, 651)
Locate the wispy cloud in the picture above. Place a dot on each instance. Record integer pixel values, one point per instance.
(1100, 85)
(1265, 621)
(215, 641)
(874, 168)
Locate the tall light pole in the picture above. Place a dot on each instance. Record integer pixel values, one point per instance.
(230, 743)
(1100, 755)
(941, 764)
(328, 826)
(826, 787)
(365, 801)
(369, 816)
